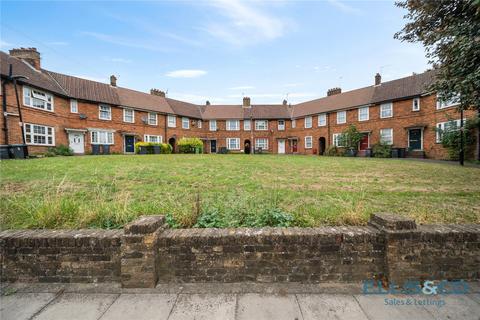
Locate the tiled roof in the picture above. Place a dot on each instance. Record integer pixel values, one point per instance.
(263, 111)
(184, 108)
(142, 100)
(223, 112)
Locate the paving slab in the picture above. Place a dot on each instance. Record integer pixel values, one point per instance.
(22, 306)
(262, 306)
(475, 297)
(73, 306)
(204, 307)
(141, 307)
(380, 306)
(330, 306)
(458, 307)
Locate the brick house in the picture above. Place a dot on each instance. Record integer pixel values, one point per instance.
(57, 109)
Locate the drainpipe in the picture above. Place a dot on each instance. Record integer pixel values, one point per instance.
(4, 111)
(252, 144)
(14, 80)
(166, 124)
(478, 135)
(328, 129)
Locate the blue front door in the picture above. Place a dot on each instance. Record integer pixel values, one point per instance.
(129, 144)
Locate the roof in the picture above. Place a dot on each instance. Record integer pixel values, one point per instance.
(223, 112)
(142, 100)
(184, 108)
(277, 111)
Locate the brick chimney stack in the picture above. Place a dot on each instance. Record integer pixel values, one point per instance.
(246, 102)
(207, 103)
(334, 91)
(113, 81)
(284, 102)
(157, 92)
(29, 55)
(378, 79)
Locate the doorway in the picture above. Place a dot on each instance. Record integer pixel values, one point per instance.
(365, 142)
(171, 142)
(213, 146)
(415, 139)
(129, 144)
(321, 145)
(294, 146)
(246, 146)
(281, 146)
(77, 142)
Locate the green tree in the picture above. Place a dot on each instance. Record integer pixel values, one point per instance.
(350, 138)
(450, 32)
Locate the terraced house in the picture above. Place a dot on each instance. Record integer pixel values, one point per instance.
(56, 109)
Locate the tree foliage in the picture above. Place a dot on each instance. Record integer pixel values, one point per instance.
(451, 136)
(450, 32)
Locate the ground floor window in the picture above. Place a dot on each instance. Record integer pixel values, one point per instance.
(261, 143)
(448, 125)
(233, 143)
(101, 137)
(337, 140)
(39, 135)
(308, 142)
(386, 136)
(153, 138)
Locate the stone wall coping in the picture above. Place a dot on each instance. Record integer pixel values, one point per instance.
(145, 224)
(49, 233)
(390, 221)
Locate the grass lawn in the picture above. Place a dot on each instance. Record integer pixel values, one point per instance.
(232, 190)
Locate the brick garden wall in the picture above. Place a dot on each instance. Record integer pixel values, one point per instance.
(147, 252)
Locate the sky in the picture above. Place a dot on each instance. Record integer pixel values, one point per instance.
(217, 50)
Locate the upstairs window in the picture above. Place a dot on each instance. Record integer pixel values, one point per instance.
(416, 104)
(105, 112)
(363, 114)
(308, 122)
(172, 121)
(386, 110)
(247, 125)
(185, 123)
(322, 119)
(261, 125)
(341, 117)
(128, 115)
(37, 99)
(233, 125)
(294, 123)
(199, 124)
(152, 119)
(444, 103)
(281, 125)
(39, 135)
(213, 125)
(73, 106)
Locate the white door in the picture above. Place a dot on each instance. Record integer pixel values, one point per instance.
(76, 141)
(281, 146)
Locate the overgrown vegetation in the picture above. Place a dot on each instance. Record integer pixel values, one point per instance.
(190, 145)
(153, 147)
(382, 150)
(451, 137)
(333, 151)
(60, 150)
(349, 139)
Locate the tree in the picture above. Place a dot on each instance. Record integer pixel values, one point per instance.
(350, 138)
(450, 32)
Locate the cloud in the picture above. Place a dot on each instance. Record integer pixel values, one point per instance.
(242, 88)
(5, 44)
(244, 23)
(186, 73)
(345, 7)
(132, 43)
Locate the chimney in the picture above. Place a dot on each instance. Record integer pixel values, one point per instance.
(207, 103)
(284, 102)
(113, 81)
(29, 55)
(378, 79)
(334, 91)
(246, 102)
(157, 92)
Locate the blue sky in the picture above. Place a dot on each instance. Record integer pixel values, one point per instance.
(217, 50)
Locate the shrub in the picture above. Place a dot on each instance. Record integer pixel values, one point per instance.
(274, 217)
(334, 151)
(382, 150)
(190, 145)
(350, 138)
(60, 150)
(451, 137)
(165, 148)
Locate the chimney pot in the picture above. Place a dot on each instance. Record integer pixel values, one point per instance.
(157, 92)
(246, 102)
(334, 91)
(113, 81)
(29, 55)
(207, 103)
(378, 79)
(284, 102)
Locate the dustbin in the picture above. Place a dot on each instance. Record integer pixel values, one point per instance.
(368, 152)
(4, 154)
(402, 152)
(106, 149)
(95, 149)
(18, 151)
(394, 152)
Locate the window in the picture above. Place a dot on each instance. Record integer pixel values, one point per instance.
(261, 125)
(416, 104)
(101, 137)
(172, 121)
(128, 115)
(247, 125)
(199, 124)
(294, 123)
(448, 125)
(233, 143)
(363, 114)
(447, 103)
(386, 110)
(153, 138)
(281, 125)
(152, 119)
(213, 125)
(341, 117)
(73, 106)
(261, 143)
(386, 136)
(308, 142)
(308, 122)
(105, 112)
(37, 99)
(322, 119)
(337, 141)
(233, 125)
(185, 123)
(39, 135)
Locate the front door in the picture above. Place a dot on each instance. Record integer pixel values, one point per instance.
(76, 142)
(415, 139)
(364, 142)
(294, 146)
(129, 144)
(213, 146)
(281, 146)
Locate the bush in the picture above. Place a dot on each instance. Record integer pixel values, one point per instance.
(274, 217)
(60, 150)
(382, 150)
(451, 137)
(333, 151)
(165, 148)
(350, 138)
(190, 145)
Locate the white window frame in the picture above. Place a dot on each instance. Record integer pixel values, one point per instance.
(232, 125)
(384, 107)
(73, 106)
(213, 125)
(447, 104)
(294, 123)
(106, 137)
(416, 106)
(29, 130)
(336, 139)
(322, 119)
(149, 118)
(261, 143)
(125, 111)
(382, 140)
(441, 127)
(148, 138)
(339, 117)
(107, 108)
(185, 123)
(281, 125)
(308, 122)
(365, 116)
(308, 142)
(199, 124)
(261, 125)
(237, 143)
(247, 125)
(171, 121)
(30, 95)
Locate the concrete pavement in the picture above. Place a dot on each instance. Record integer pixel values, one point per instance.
(227, 301)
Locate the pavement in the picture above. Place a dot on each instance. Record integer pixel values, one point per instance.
(227, 301)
